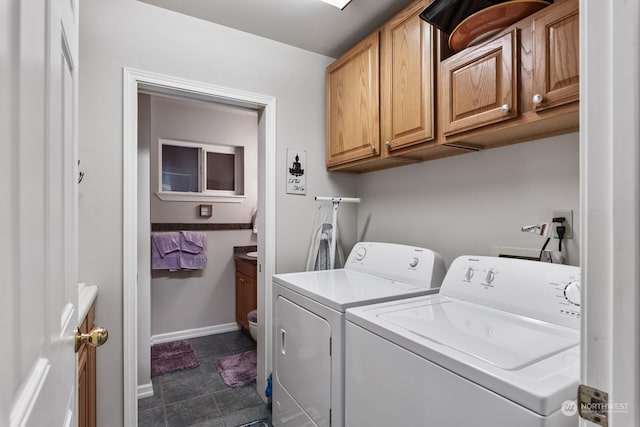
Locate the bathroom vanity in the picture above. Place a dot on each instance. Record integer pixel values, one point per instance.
(246, 284)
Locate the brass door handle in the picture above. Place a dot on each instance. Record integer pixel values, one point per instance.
(96, 337)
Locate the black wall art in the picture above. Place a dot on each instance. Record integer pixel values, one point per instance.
(296, 172)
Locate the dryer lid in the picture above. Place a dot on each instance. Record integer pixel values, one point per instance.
(342, 289)
(505, 340)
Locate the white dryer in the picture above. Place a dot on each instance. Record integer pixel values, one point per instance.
(498, 346)
(308, 325)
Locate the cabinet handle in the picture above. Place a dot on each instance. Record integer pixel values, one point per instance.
(505, 108)
(537, 99)
(387, 144)
(373, 149)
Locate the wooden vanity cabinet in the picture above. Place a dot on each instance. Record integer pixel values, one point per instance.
(87, 376)
(246, 292)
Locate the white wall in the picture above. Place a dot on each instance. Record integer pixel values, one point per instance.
(190, 300)
(126, 33)
(197, 121)
(469, 203)
(185, 300)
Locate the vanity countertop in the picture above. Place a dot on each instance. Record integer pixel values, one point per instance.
(86, 296)
(240, 254)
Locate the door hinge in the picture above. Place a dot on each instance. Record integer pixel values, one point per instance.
(593, 405)
(329, 417)
(330, 344)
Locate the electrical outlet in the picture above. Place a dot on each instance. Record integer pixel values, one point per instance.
(568, 223)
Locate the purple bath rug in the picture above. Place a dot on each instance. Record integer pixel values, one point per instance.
(171, 357)
(238, 369)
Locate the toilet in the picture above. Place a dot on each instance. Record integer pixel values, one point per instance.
(252, 317)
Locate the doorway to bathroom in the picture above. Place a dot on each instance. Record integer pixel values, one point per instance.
(197, 180)
(141, 89)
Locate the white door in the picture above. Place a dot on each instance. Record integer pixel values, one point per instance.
(610, 208)
(38, 182)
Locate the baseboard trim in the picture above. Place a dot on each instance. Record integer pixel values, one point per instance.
(194, 333)
(145, 390)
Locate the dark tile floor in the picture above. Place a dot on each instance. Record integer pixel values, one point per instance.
(198, 397)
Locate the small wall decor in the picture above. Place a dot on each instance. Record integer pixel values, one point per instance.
(205, 211)
(296, 178)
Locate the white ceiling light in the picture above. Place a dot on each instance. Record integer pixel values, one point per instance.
(340, 4)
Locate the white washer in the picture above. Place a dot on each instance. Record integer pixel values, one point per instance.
(498, 346)
(308, 326)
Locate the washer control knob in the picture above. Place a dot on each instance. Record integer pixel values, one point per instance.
(414, 262)
(572, 292)
(490, 276)
(469, 273)
(361, 252)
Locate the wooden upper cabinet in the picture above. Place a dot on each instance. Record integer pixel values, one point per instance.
(407, 73)
(352, 104)
(556, 56)
(381, 115)
(480, 87)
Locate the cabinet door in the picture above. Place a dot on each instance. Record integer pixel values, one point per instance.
(83, 385)
(556, 56)
(241, 313)
(352, 104)
(407, 105)
(251, 295)
(480, 85)
(87, 376)
(91, 387)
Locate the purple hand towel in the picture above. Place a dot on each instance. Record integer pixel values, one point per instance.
(165, 251)
(193, 242)
(166, 243)
(193, 250)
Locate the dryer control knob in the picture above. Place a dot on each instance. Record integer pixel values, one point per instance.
(414, 262)
(361, 252)
(490, 276)
(572, 293)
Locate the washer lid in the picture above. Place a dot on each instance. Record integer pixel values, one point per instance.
(502, 339)
(341, 289)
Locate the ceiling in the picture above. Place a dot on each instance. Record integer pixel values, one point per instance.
(308, 24)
